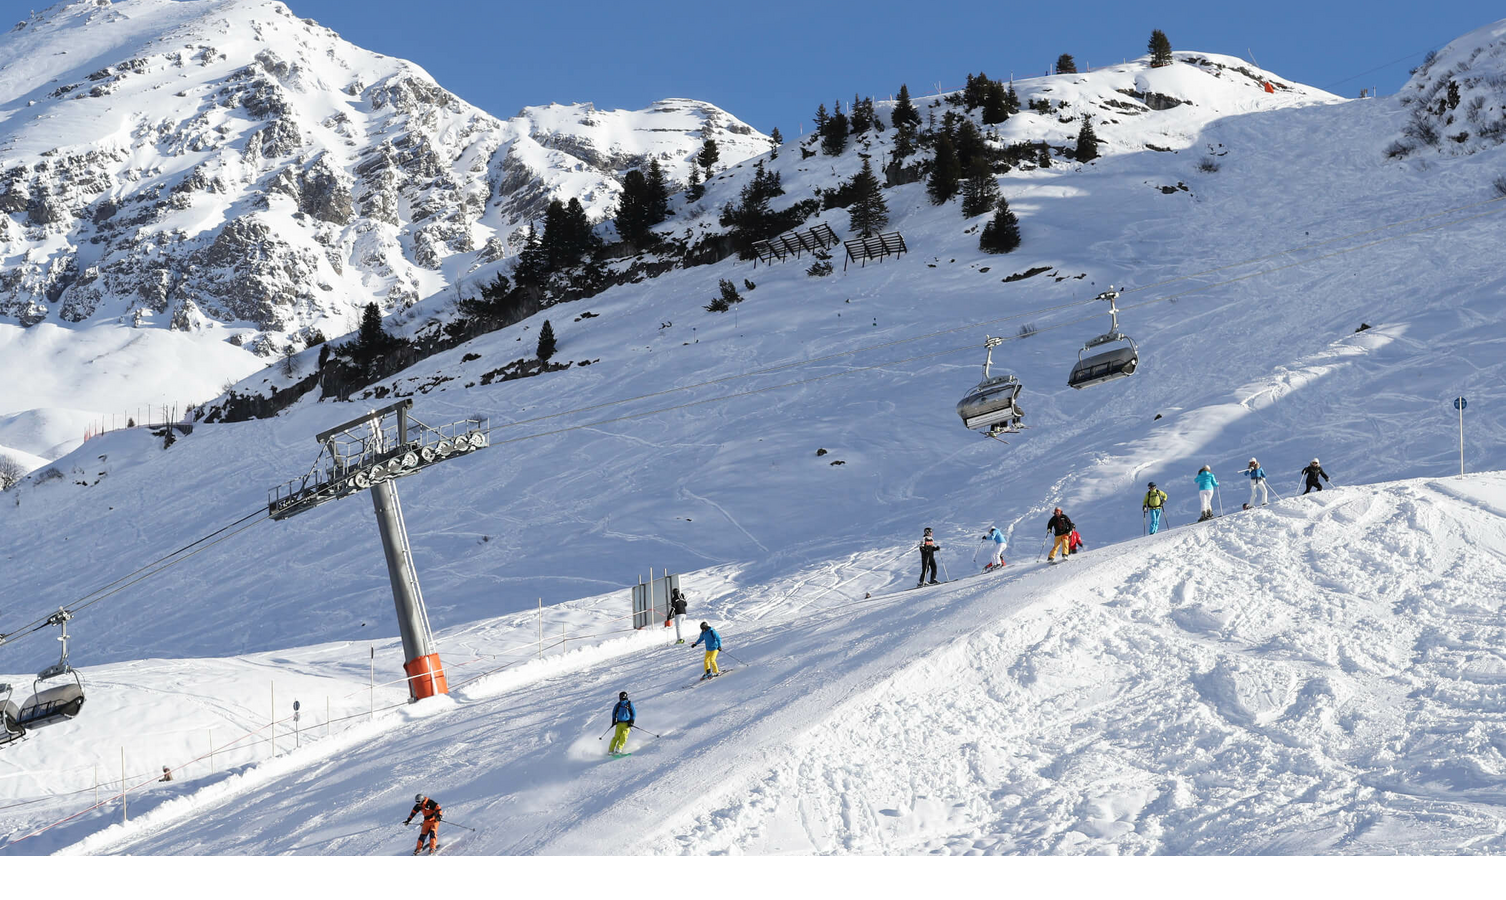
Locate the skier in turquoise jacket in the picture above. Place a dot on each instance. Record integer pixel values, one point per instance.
(1205, 486)
(1257, 484)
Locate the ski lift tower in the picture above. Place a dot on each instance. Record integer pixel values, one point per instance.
(372, 452)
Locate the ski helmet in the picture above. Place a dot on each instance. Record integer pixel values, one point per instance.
(1315, 460)
(928, 531)
(1058, 509)
(418, 798)
(622, 696)
(1254, 461)
(705, 626)
(1205, 469)
(1152, 485)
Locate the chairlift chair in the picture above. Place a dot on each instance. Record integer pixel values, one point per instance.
(993, 406)
(1108, 365)
(51, 704)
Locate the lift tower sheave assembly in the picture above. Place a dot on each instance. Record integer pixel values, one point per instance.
(371, 452)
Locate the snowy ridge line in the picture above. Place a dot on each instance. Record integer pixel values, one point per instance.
(1314, 246)
(80, 605)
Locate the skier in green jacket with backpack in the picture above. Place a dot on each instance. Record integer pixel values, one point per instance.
(1155, 501)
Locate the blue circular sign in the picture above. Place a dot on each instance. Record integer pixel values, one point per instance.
(1461, 404)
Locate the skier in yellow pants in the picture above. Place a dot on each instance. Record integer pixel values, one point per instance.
(622, 717)
(713, 647)
(1061, 528)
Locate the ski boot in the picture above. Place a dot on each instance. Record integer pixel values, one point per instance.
(680, 641)
(705, 675)
(934, 581)
(417, 849)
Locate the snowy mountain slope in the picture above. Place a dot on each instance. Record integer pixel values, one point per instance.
(1265, 360)
(1318, 677)
(220, 170)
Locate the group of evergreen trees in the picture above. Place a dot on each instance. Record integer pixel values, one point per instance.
(835, 127)
(998, 102)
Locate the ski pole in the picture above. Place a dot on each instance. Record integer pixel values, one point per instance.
(608, 731)
(646, 731)
(1042, 554)
(1144, 528)
(975, 556)
(457, 825)
(1220, 499)
(733, 658)
(944, 571)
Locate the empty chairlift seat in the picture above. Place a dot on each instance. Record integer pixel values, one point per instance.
(1100, 367)
(52, 704)
(993, 405)
(1106, 365)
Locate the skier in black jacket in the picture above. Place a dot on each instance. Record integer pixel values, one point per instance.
(677, 606)
(1312, 472)
(1061, 528)
(928, 548)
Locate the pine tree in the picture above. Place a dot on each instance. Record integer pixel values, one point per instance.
(904, 113)
(1002, 233)
(822, 118)
(776, 139)
(372, 340)
(945, 171)
(546, 346)
(904, 143)
(1066, 65)
(834, 136)
(862, 114)
(868, 213)
(532, 268)
(1087, 141)
(657, 206)
(995, 104)
(1043, 156)
(708, 157)
(1011, 100)
(969, 144)
(975, 92)
(980, 191)
(631, 217)
(694, 189)
(1160, 49)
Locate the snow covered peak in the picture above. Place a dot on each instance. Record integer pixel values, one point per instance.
(1457, 97)
(222, 170)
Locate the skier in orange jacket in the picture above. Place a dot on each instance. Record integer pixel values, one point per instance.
(430, 827)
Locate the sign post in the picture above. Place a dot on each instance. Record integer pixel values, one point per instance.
(1460, 403)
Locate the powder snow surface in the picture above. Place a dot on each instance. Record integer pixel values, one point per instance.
(1319, 676)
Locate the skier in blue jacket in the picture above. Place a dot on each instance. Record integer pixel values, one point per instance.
(622, 717)
(1205, 485)
(1257, 484)
(713, 647)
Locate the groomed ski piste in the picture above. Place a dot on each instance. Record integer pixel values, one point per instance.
(1319, 676)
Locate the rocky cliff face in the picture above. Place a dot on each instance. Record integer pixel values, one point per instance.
(223, 167)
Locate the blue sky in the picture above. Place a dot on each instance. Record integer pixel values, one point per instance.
(770, 63)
